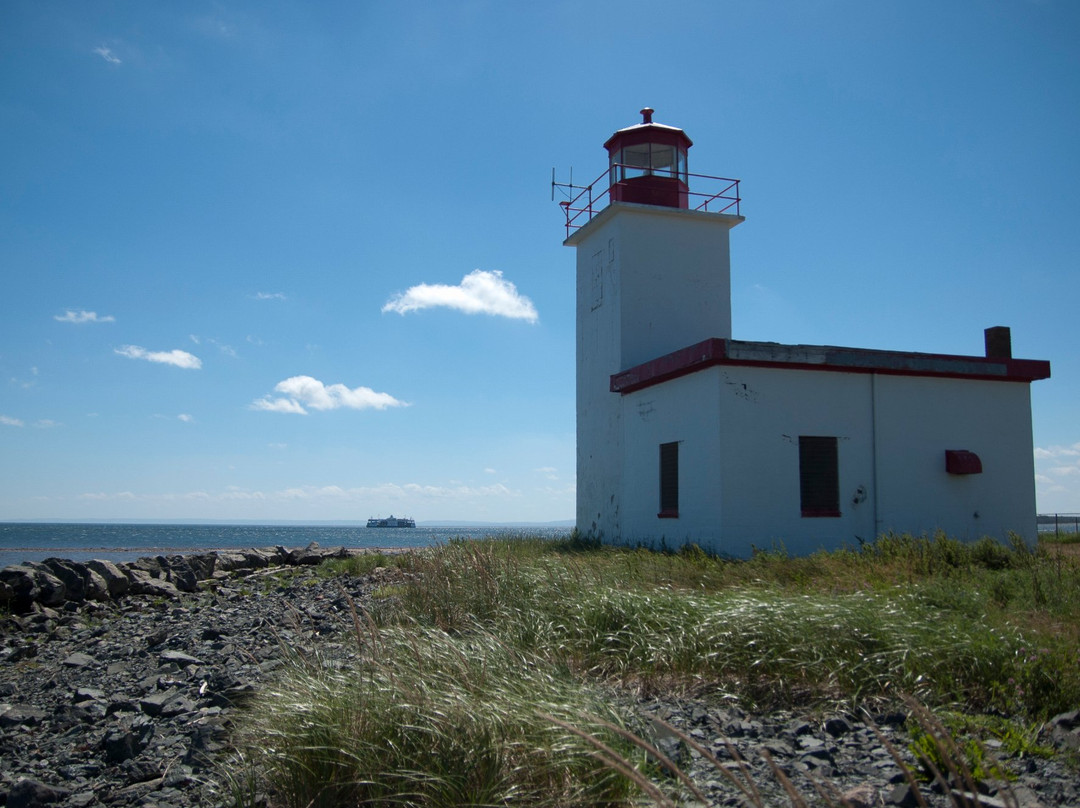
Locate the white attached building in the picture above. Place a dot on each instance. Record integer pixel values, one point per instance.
(687, 435)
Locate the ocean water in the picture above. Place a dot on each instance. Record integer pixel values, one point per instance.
(35, 541)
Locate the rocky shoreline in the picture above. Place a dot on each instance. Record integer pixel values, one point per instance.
(119, 683)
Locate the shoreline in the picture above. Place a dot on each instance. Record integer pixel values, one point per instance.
(134, 699)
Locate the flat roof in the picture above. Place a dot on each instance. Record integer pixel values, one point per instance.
(722, 352)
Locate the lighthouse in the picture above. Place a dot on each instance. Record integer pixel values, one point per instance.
(686, 434)
(653, 276)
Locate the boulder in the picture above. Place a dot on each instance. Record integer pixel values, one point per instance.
(203, 564)
(140, 582)
(177, 571)
(82, 582)
(115, 581)
(29, 793)
(149, 565)
(33, 585)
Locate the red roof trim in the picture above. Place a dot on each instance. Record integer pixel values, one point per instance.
(714, 352)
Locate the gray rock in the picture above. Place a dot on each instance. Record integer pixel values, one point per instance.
(863, 796)
(141, 582)
(179, 657)
(31, 585)
(838, 726)
(79, 660)
(27, 793)
(903, 796)
(178, 571)
(122, 743)
(115, 581)
(82, 582)
(21, 715)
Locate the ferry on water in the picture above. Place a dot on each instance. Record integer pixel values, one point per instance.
(391, 521)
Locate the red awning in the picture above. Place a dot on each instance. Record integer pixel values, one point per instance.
(961, 461)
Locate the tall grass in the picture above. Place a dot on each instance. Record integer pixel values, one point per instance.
(476, 674)
(947, 621)
(433, 720)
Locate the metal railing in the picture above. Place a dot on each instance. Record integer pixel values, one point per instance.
(1058, 523)
(585, 201)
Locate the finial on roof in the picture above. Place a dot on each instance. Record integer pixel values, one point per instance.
(646, 115)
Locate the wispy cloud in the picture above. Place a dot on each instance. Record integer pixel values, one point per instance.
(228, 350)
(1057, 477)
(187, 419)
(269, 296)
(107, 54)
(400, 493)
(393, 491)
(181, 359)
(215, 27)
(80, 317)
(480, 292)
(1057, 452)
(299, 392)
(7, 420)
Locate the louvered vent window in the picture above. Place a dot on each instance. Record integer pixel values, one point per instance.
(669, 481)
(819, 476)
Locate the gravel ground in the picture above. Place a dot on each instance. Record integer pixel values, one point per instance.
(130, 701)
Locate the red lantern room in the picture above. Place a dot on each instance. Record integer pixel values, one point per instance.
(648, 164)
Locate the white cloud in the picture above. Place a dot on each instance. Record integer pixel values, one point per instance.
(270, 296)
(550, 472)
(395, 492)
(228, 350)
(1052, 452)
(1064, 471)
(215, 27)
(181, 359)
(1057, 478)
(46, 423)
(187, 419)
(80, 317)
(405, 493)
(267, 404)
(106, 54)
(480, 292)
(301, 391)
(9, 421)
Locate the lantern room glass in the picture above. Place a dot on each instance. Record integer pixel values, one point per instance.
(648, 159)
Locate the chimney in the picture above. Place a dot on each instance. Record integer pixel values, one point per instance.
(998, 342)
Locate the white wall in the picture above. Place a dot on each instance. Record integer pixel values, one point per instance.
(739, 429)
(599, 429)
(918, 419)
(654, 280)
(650, 280)
(762, 414)
(675, 271)
(683, 410)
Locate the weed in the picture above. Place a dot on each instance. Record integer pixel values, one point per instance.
(481, 658)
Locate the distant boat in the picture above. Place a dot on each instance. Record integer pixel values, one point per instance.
(391, 521)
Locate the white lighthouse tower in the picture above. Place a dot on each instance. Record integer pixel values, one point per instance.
(653, 276)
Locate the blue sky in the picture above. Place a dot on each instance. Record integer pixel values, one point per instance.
(270, 260)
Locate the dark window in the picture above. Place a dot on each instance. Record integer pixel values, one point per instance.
(669, 480)
(819, 476)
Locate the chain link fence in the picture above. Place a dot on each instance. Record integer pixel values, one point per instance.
(1059, 523)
